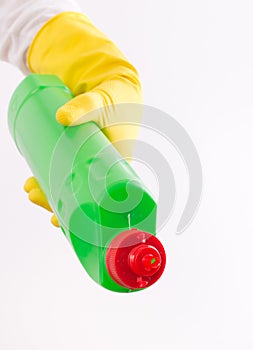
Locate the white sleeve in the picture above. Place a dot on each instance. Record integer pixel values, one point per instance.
(19, 23)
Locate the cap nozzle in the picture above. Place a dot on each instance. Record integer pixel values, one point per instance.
(135, 259)
(144, 260)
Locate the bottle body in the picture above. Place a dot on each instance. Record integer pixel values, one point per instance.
(93, 191)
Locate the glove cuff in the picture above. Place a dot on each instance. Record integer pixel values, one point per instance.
(71, 47)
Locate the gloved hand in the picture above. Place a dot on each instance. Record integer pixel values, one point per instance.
(98, 74)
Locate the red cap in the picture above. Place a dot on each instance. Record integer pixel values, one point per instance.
(135, 259)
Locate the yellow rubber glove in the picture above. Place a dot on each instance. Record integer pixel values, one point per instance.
(99, 75)
(37, 196)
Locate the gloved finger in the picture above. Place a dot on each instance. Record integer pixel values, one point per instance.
(31, 184)
(106, 96)
(114, 105)
(36, 195)
(55, 221)
(78, 110)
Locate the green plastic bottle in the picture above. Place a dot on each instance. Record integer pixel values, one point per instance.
(103, 208)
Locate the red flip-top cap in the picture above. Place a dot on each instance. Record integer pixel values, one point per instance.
(135, 259)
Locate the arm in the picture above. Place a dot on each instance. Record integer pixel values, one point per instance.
(19, 23)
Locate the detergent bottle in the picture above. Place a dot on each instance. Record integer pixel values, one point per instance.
(103, 207)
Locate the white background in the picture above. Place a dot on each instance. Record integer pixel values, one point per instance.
(196, 63)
